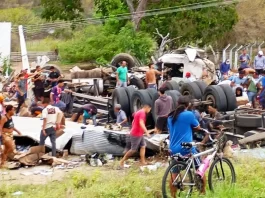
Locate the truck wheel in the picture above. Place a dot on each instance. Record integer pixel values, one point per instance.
(172, 85)
(119, 96)
(216, 95)
(202, 85)
(175, 97)
(137, 83)
(230, 97)
(248, 120)
(139, 98)
(123, 57)
(191, 89)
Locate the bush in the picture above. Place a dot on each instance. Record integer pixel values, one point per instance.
(19, 16)
(101, 44)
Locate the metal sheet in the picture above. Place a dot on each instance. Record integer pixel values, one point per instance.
(31, 127)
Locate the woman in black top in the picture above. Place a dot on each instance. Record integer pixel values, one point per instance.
(6, 132)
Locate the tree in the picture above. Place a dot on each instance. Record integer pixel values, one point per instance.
(66, 10)
(202, 26)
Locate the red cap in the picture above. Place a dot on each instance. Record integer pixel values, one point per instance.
(188, 74)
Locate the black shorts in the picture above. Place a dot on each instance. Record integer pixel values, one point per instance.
(135, 142)
(39, 92)
(161, 123)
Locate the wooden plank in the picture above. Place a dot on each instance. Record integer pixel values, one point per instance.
(253, 138)
(100, 99)
(99, 110)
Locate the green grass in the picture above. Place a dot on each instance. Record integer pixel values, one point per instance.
(47, 44)
(132, 183)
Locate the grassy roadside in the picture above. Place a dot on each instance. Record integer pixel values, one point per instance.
(102, 183)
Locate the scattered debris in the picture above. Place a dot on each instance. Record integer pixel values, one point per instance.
(18, 193)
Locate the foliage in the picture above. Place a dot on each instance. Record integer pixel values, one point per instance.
(203, 25)
(5, 65)
(100, 44)
(47, 44)
(66, 10)
(19, 16)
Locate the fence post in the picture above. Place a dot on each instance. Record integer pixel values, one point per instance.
(261, 45)
(231, 55)
(236, 56)
(251, 48)
(224, 52)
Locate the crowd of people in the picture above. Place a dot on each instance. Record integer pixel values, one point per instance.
(250, 79)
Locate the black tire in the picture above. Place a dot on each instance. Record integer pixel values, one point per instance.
(139, 98)
(130, 90)
(123, 57)
(119, 96)
(210, 175)
(172, 85)
(175, 164)
(175, 97)
(230, 97)
(111, 110)
(152, 92)
(155, 97)
(191, 89)
(137, 82)
(248, 120)
(216, 94)
(202, 85)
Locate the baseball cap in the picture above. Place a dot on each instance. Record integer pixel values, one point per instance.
(188, 74)
(260, 52)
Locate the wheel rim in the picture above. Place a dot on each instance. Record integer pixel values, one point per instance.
(212, 99)
(186, 93)
(136, 104)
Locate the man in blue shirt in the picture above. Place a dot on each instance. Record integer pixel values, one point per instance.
(225, 67)
(244, 59)
(121, 116)
(239, 80)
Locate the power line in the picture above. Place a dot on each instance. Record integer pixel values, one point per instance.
(152, 12)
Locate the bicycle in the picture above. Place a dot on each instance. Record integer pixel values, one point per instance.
(191, 179)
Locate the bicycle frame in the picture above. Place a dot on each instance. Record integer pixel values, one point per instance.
(190, 163)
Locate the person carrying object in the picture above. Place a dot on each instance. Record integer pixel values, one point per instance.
(89, 111)
(49, 115)
(121, 116)
(163, 106)
(253, 88)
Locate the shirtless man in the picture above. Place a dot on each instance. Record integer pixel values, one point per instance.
(151, 76)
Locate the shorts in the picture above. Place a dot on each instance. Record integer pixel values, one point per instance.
(251, 96)
(161, 123)
(122, 84)
(154, 86)
(39, 92)
(135, 142)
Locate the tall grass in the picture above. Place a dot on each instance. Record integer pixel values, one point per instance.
(102, 183)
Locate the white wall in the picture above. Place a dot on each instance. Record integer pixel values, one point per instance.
(5, 41)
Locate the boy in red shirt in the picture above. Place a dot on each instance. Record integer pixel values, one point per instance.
(137, 135)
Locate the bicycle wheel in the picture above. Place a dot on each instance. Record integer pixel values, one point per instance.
(173, 184)
(220, 170)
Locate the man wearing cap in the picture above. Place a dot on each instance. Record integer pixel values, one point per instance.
(188, 77)
(259, 62)
(53, 76)
(224, 68)
(244, 59)
(121, 116)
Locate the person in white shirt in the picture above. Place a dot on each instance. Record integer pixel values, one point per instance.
(49, 115)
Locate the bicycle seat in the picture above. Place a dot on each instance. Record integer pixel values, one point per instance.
(187, 145)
